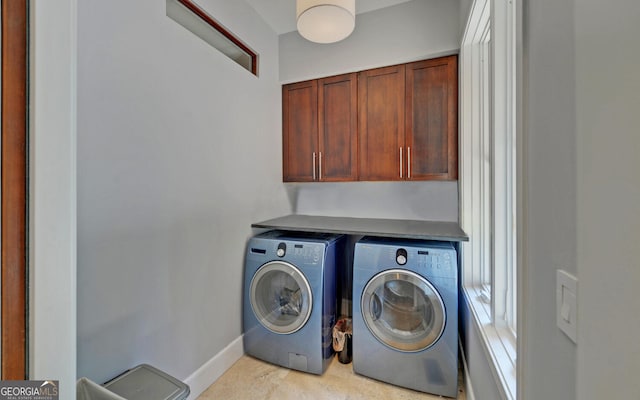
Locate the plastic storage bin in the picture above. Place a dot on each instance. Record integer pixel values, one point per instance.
(87, 389)
(145, 382)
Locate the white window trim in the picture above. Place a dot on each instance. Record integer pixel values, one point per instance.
(499, 344)
(498, 334)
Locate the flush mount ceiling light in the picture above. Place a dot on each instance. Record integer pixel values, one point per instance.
(325, 21)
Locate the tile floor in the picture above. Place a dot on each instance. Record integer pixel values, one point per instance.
(249, 378)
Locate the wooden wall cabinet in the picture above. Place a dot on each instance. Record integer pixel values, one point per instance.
(299, 131)
(381, 97)
(408, 121)
(431, 119)
(320, 130)
(384, 124)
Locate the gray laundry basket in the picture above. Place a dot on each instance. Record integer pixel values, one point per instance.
(145, 382)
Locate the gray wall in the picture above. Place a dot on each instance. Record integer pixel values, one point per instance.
(435, 201)
(465, 9)
(179, 150)
(407, 32)
(481, 379)
(608, 198)
(583, 196)
(550, 356)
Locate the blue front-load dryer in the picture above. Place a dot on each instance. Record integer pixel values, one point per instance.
(405, 313)
(290, 298)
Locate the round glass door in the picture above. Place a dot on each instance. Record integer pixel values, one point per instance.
(403, 310)
(280, 297)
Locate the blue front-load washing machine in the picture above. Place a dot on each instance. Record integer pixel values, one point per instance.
(290, 298)
(405, 313)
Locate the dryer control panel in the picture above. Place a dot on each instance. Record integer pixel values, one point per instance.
(429, 258)
(436, 263)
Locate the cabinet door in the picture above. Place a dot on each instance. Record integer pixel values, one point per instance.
(381, 123)
(337, 128)
(431, 119)
(300, 131)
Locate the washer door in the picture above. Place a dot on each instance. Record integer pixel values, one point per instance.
(280, 297)
(403, 310)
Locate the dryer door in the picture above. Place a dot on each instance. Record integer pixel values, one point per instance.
(280, 297)
(403, 310)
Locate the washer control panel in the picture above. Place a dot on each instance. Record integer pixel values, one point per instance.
(308, 253)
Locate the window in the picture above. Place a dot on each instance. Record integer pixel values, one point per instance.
(488, 180)
(484, 136)
(195, 19)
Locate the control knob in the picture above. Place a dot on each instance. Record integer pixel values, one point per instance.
(401, 256)
(282, 249)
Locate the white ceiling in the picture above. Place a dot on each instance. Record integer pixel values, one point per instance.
(281, 14)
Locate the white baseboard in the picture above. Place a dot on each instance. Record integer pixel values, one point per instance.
(210, 371)
(468, 388)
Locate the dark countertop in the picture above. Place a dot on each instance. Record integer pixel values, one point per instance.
(399, 228)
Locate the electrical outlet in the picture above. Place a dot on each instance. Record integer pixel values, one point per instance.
(567, 304)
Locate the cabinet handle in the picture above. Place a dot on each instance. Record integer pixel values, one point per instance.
(314, 165)
(320, 167)
(408, 162)
(400, 162)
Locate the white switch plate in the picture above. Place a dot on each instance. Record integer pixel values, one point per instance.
(567, 304)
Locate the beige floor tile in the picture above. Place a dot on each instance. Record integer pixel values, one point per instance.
(249, 378)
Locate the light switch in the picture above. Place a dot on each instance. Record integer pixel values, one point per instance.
(566, 303)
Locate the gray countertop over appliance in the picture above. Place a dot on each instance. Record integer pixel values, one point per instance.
(399, 228)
